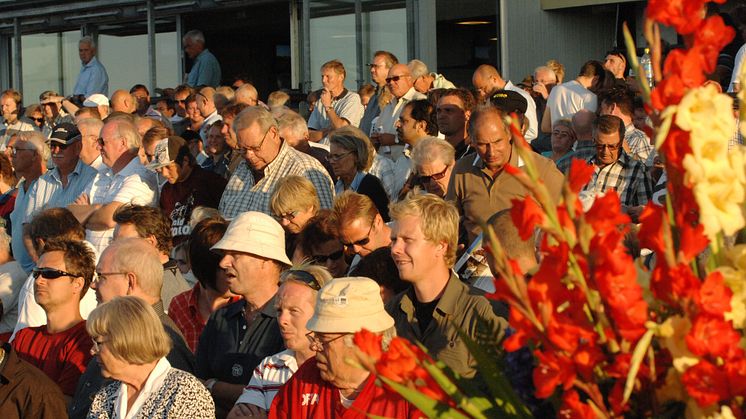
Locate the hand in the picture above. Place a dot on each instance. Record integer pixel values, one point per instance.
(245, 410)
(326, 98)
(384, 139)
(541, 89)
(82, 200)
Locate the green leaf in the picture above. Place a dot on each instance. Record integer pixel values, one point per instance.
(637, 356)
(431, 408)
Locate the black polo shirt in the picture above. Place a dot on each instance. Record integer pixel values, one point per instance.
(229, 349)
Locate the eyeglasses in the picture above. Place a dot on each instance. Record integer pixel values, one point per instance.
(611, 147)
(61, 146)
(15, 150)
(396, 78)
(180, 100)
(371, 65)
(37, 119)
(96, 346)
(318, 344)
(102, 276)
(321, 259)
(290, 216)
(337, 157)
(361, 242)
(434, 176)
(50, 273)
(304, 277)
(244, 150)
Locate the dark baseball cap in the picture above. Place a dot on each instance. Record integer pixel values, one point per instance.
(509, 101)
(65, 133)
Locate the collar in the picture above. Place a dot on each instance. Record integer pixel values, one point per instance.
(411, 93)
(624, 161)
(78, 168)
(279, 158)
(447, 304)
(515, 159)
(9, 365)
(341, 95)
(236, 309)
(287, 358)
(91, 63)
(130, 169)
(158, 307)
(152, 384)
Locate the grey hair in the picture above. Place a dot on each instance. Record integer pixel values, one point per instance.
(245, 92)
(88, 39)
(127, 130)
(319, 273)
(565, 122)
(93, 123)
(417, 68)
(253, 114)
(352, 139)
(139, 257)
(543, 68)
(430, 149)
(4, 239)
(195, 35)
(38, 142)
(292, 121)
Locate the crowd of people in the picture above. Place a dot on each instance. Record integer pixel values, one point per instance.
(207, 254)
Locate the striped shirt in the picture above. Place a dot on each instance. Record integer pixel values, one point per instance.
(243, 193)
(627, 176)
(383, 168)
(271, 374)
(48, 191)
(639, 143)
(133, 184)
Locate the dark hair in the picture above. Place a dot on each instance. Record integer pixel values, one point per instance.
(320, 229)
(233, 109)
(592, 68)
(190, 136)
(390, 58)
(79, 259)
(147, 221)
(621, 54)
(170, 103)
(6, 170)
(423, 110)
(154, 134)
(464, 95)
(140, 87)
(183, 88)
(380, 267)
(191, 98)
(205, 262)
(622, 97)
(609, 124)
(55, 224)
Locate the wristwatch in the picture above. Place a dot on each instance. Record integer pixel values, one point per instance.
(209, 384)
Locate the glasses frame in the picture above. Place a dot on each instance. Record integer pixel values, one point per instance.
(322, 259)
(363, 241)
(99, 275)
(331, 158)
(320, 344)
(55, 273)
(611, 147)
(96, 348)
(14, 150)
(302, 276)
(434, 176)
(396, 78)
(256, 149)
(290, 216)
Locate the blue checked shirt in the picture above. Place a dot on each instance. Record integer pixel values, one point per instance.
(243, 193)
(627, 176)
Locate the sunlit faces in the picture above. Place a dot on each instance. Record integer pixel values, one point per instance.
(9, 108)
(254, 145)
(483, 85)
(408, 129)
(86, 52)
(215, 141)
(492, 142)
(295, 305)
(607, 147)
(332, 354)
(331, 80)
(451, 115)
(378, 70)
(414, 255)
(562, 139)
(342, 161)
(330, 254)
(362, 237)
(109, 282)
(180, 99)
(434, 176)
(399, 80)
(294, 221)
(111, 145)
(65, 156)
(58, 291)
(192, 112)
(615, 64)
(241, 270)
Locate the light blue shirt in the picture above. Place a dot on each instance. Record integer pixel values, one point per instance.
(205, 70)
(17, 218)
(92, 79)
(48, 191)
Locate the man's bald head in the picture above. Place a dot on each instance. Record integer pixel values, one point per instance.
(247, 94)
(401, 79)
(582, 124)
(123, 101)
(206, 101)
(487, 80)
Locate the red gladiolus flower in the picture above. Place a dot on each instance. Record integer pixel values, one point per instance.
(605, 214)
(573, 408)
(586, 358)
(523, 331)
(736, 372)
(684, 15)
(669, 91)
(399, 363)
(710, 38)
(712, 336)
(512, 170)
(705, 383)
(692, 239)
(651, 229)
(579, 175)
(616, 396)
(715, 296)
(552, 371)
(674, 284)
(526, 215)
(369, 343)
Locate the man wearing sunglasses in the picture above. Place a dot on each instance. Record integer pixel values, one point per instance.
(61, 348)
(361, 227)
(615, 169)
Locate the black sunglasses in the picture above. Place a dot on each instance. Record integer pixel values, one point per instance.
(53, 144)
(304, 277)
(321, 259)
(396, 78)
(361, 242)
(50, 273)
(38, 119)
(434, 176)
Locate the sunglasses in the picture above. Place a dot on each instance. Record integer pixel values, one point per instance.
(50, 273)
(290, 216)
(434, 176)
(321, 259)
(361, 242)
(611, 147)
(61, 146)
(396, 78)
(38, 119)
(304, 277)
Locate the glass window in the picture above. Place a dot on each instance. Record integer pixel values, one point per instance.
(40, 58)
(119, 53)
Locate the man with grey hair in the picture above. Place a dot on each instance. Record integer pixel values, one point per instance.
(123, 180)
(30, 155)
(424, 80)
(93, 77)
(205, 98)
(336, 106)
(294, 131)
(379, 70)
(246, 94)
(205, 68)
(432, 164)
(267, 158)
(487, 81)
(90, 128)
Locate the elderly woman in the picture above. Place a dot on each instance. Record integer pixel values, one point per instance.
(295, 305)
(563, 138)
(293, 203)
(351, 155)
(432, 164)
(319, 243)
(133, 352)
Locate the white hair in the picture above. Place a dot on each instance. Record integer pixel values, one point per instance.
(87, 40)
(37, 141)
(195, 35)
(417, 68)
(545, 69)
(292, 121)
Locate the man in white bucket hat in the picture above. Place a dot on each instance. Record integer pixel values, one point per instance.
(329, 386)
(237, 337)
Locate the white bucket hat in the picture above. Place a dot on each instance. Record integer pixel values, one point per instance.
(346, 305)
(256, 233)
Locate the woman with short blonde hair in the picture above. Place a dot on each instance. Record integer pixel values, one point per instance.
(293, 202)
(131, 346)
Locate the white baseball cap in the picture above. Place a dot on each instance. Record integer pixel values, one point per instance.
(96, 99)
(255, 233)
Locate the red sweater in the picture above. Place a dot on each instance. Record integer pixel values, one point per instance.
(62, 356)
(307, 396)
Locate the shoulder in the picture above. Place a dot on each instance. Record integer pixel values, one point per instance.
(464, 164)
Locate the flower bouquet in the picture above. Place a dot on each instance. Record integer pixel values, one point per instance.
(609, 335)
